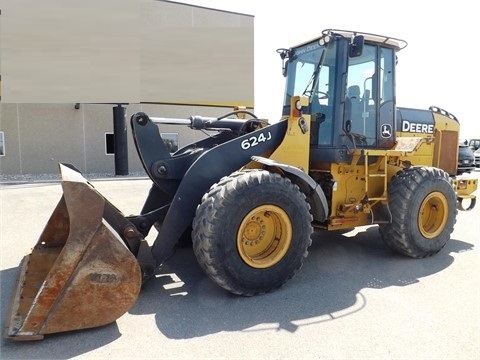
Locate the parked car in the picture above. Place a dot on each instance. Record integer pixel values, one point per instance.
(476, 155)
(474, 144)
(465, 159)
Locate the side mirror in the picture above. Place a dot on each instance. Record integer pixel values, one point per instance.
(285, 68)
(356, 46)
(284, 55)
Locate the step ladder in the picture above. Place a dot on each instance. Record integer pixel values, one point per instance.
(377, 206)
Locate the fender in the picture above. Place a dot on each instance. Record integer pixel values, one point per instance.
(310, 187)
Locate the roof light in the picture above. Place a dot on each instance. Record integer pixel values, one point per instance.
(324, 40)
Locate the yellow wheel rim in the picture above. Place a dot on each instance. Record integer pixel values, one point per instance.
(264, 236)
(433, 215)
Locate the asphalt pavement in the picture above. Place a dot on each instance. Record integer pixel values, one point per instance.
(353, 298)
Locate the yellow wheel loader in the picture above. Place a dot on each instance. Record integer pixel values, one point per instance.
(249, 195)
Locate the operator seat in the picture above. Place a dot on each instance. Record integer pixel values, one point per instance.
(353, 94)
(321, 132)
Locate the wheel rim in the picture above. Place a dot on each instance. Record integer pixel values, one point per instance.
(433, 215)
(264, 236)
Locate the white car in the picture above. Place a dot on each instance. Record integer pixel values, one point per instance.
(476, 155)
(474, 144)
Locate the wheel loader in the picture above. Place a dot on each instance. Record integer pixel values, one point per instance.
(249, 195)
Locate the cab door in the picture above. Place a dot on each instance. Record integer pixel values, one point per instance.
(370, 98)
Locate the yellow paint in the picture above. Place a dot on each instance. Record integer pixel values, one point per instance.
(465, 187)
(264, 236)
(295, 147)
(443, 122)
(358, 187)
(359, 194)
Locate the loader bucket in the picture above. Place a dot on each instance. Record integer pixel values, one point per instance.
(80, 274)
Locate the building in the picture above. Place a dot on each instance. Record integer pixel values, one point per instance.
(176, 60)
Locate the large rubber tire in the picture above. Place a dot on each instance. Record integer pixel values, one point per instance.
(251, 232)
(422, 201)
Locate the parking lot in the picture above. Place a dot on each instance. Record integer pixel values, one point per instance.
(353, 298)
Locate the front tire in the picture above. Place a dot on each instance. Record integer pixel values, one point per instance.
(422, 201)
(252, 231)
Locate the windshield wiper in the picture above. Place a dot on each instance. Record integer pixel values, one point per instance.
(314, 79)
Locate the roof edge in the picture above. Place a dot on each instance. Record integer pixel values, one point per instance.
(207, 8)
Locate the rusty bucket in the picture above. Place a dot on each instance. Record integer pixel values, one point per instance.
(80, 274)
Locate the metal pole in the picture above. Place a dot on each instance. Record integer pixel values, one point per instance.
(172, 121)
(120, 140)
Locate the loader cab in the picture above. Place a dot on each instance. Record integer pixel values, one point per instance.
(349, 79)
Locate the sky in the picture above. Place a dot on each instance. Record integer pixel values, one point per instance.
(437, 67)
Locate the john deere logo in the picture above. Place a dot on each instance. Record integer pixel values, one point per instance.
(386, 131)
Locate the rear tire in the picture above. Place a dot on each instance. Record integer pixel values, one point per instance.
(422, 201)
(252, 231)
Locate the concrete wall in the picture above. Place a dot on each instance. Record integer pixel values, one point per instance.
(110, 51)
(186, 60)
(39, 136)
(70, 51)
(195, 55)
(0, 56)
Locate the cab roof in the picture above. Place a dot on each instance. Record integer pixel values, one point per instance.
(397, 44)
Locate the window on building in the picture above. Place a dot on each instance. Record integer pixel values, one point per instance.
(2, 143)
(109, 144)
(171, 141)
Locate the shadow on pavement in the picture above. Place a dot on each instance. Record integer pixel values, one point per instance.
(187, 304)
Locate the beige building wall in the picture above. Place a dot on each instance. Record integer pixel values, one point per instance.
(0, 55)
(39, 136)
(191, 61)
(195, 55)
(129, 51)
(70, 51)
